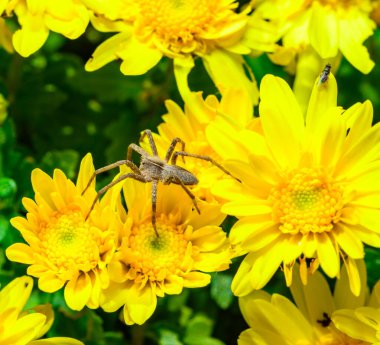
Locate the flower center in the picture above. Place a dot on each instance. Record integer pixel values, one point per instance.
(177, 26)
(69, 243)
(157, 257)
(306, 202)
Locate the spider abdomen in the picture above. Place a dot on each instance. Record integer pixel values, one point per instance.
(177, 175)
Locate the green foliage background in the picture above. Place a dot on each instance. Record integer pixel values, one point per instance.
(58, 112)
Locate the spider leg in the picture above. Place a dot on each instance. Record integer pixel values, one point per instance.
(152, 144)
(205, 158)
(191, 195)
(154, 206)
(111, 184)
(172, 146)
(136, 148)
(110, 167)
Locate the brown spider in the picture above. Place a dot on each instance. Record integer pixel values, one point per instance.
(153, 169)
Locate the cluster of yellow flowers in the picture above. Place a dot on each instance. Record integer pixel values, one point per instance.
(307, 194)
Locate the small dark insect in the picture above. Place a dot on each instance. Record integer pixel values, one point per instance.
(325, 322)
(324, 75)
(153, 169)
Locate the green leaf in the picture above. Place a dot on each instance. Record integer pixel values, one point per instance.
(168, 337)
(66, 160)
(221, 290)
(200, 326)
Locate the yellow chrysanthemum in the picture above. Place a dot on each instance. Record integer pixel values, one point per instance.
(190, 126)
(211, 29)
(329, 26)
(36, 18)
(316, 32)
(25, 327)
(276, 320)
(363, 323)
(309, 187)
(148, 266)
(64, 249)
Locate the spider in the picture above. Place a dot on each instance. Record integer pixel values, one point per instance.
(154, 169)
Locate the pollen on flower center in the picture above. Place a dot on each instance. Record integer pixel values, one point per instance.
(158, 256)
(176, 25)
(306, 202)
(68, 242)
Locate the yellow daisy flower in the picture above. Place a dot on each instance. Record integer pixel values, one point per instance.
(147, 266)
(329, 26)
(309, 187)
(363, 323)
(190, 125)
(276, 320)
(211, 29)
(26, 327)
(316, 32)
(36, 18)
(63, 249)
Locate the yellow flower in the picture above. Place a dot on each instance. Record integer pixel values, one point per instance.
(25, 327)
(63, 249)
(147, 30)
(309, 187)
(190, 125)
(276, 320)
(36, 18)
(363, 323)
(317, 32)
(148, 266)
(329, 26)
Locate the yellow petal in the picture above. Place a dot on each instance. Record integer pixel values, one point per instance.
(56, 341)
(106, 52)
(196, 279)
(323, 31)
(20, 252)
(31, 36)
(327, 255)
(208, 238)
(351, 43)
(348, 241)
(314, 298)
(25, 329)
(343, 297)
(16, 293)
(78, 291)
(242, 110)
(346, 321)
(139, 306)
(86, 171)
(138, 58)
(257, 269)
(359, 118)
(323, 97)
(217, 62)
(49, 282)
(254, 235)
(282, 120)
(353, 276)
